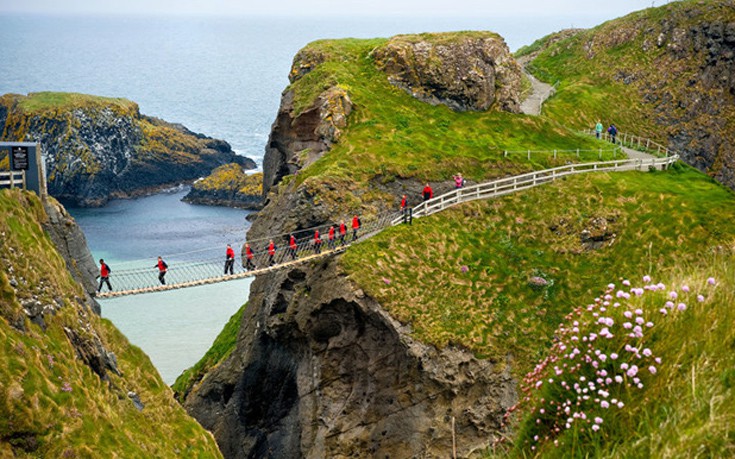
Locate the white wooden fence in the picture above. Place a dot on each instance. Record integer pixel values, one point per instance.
(13, 179)
(521, 182)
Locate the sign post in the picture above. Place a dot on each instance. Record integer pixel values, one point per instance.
(27, 157)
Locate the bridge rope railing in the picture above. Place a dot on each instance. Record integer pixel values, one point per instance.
(211, 269)
(144, 278)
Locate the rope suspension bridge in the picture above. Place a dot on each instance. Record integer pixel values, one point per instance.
(206, 266)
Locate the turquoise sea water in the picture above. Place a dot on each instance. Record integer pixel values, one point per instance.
(219, 76)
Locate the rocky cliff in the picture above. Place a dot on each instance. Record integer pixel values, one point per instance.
(666, 72)
(70, 384)
(98, 148)
(321, 370)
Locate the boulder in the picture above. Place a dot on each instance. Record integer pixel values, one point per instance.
(464, 71)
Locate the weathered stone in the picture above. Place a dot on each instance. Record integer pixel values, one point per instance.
(462, 71)
(329, 373)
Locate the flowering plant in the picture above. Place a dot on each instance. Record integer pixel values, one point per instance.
(602, 354)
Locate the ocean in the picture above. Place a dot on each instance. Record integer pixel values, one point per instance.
(221, 76)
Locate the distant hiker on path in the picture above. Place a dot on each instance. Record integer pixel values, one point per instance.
(229, 259)
(355, 226)
(162, 269)
(271, 253)
(249, 257)
(292, 246)
(428, 192)
(342, 232)
(104, 275)
(598, 129)
(404, 204)
(458, 181)
(613, 131)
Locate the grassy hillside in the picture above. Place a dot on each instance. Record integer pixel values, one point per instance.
(392, 135)
(52, 404)
(498, 277)
(466, 276)
(644, 71)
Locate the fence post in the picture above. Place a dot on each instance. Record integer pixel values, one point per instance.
(577, 153)
(529, 154)
(505, 153)
(12, 178)
(554, 154)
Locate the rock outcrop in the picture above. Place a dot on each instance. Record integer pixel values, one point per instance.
(97, 148)
(463, 72)
(229, 186)
(300, 137)
(321, 370)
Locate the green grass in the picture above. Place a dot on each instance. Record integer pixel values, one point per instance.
(391, 135)
(51, 403)
(38, 102)
(222, 347)
(658, 220)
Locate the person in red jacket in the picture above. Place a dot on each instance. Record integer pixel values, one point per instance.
(271, 253)
(292, 247)
(342, 232)
(104, 275)
(162, 270)
(249, 257)
(229, 259)
(330, 237)
(355, 226)
(404, 204)
(317, 242)
(428, 192)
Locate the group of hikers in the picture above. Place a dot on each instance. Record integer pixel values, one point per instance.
(336, 234)
(611, 130)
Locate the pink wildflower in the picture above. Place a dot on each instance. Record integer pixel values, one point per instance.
(681, 307)
(670, 304)
(700, 298)
(628, 314)
(595, 427)
(646, 278)
(711, 281)
(685, 288)
(598, 420)
(626, 282)
(673, 295)
(647, 352)
(614, 356)
(652, 369)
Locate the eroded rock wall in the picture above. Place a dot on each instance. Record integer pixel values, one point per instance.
(321, 370)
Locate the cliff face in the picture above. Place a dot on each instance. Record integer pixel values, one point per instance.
(300, 137)
(466, 73)
(70, 384)
(97, 148)
(321, 370)
(670, 72)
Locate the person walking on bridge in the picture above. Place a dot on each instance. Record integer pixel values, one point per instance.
(292, 246)
(249, 257)
(355, 226)
(317, 242)
(162, 270)
(271, 253)
(342, 232)
(104, 275)
(229, 259)
(330, 237)
(428, 192)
